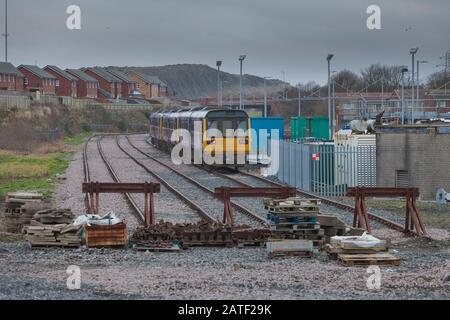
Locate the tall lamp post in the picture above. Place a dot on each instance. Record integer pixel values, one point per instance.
(404, 70)
(412, 51)
(6, 31)
(418, 79)
(241, 102)
(330, 123)
(219, 98)
(265, 96)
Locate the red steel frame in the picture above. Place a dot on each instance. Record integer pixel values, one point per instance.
(226, 193)
(93, 190)
(413, 220)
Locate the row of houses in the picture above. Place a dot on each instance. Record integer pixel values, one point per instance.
(430, 103)
(93, 82)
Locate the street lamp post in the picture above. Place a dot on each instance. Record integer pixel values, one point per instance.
(330, 124)
(6, 31)
(412, 51)
(241, 103)
(219, 98)
(418, 79)
(265, 96)
(404, 70)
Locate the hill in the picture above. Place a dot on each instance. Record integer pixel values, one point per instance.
(191, 81)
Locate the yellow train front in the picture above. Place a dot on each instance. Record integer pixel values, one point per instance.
(220, 136)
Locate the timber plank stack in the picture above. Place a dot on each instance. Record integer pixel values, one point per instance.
(20, 208)
(53, 228)
(296, 219)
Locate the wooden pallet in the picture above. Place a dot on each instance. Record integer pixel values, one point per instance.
(287, 254)
(288, 209)
(300, 228)
(294, 201)
(333, 251)
(242, 244)
(291, 218)
(368, 259)
(156, 248)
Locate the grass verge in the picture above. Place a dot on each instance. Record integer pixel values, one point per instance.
(30, 172)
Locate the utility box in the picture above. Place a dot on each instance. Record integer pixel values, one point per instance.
(262, 136)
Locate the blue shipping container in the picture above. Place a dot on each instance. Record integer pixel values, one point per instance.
(265, 125)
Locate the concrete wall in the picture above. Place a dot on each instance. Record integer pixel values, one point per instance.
(424, 152)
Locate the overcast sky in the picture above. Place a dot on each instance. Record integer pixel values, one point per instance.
(290, 35)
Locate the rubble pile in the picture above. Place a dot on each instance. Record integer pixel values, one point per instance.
(53, 227)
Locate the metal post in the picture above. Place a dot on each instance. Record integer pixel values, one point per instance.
(330, 125)
(265, 98)
(418, 79)
(218, 64)
(299, 101)
(241, 103)
(333, 123)
(412, 90)
(413, 51)
(403, 94)
(6, 30)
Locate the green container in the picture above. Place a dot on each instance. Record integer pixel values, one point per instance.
(316, 127)
(319, 128)
(300, 128)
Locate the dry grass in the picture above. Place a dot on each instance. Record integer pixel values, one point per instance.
(18, 171)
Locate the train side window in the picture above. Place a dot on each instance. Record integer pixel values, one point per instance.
(242, 124)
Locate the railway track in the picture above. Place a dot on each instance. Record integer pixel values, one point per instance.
(337, 204)
(251, 215)
(203, 214)
(137, 212)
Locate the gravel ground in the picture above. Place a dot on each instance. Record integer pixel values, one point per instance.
(206, 273)
(167, 206)
(209, 180)
(226, 273)
(204, 199)
(68, 194)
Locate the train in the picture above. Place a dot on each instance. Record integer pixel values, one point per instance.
(224, 134)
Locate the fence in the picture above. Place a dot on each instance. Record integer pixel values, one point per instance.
(326, 169)
(24, 101)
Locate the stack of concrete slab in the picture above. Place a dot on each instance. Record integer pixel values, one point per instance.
(20, 208)
(53, 228)
(58, 235)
